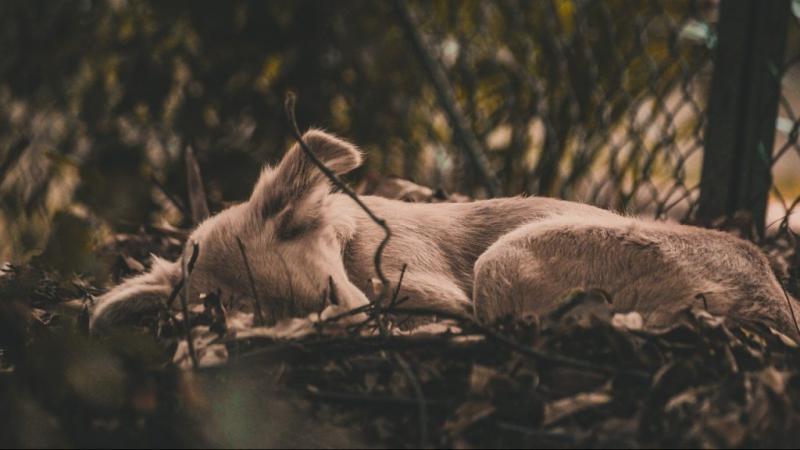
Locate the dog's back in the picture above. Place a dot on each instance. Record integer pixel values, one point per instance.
(522, 254)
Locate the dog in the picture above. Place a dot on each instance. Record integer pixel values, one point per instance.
(490, 258)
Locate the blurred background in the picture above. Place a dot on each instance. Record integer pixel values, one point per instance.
(681, 109)
(607, 102)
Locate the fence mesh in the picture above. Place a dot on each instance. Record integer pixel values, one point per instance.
(784, 209)
(601, 102)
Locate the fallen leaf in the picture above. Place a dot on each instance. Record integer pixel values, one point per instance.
(630, 321)
(787, 341)
(563, 408)
(479, 378)
(468, 414)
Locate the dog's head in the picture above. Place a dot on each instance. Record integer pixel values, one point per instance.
(289, 235)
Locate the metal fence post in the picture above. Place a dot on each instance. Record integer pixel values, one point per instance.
(742, 109)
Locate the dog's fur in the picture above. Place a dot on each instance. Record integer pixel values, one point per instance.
(492, 258)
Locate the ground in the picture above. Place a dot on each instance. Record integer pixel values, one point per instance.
(580, 377)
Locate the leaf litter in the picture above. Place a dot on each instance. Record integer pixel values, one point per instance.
(580, 377)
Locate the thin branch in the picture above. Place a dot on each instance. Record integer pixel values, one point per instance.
(186, 276)
(393, 302)
(172, 199)
(213, 304)
(286, 306)
(177, 288)
(290, 114)
(250, 278)
(13, 155)
(465, 320)
(177, 233)
(198, 201)
(346, 397)
(422, 403)
(791, 310)
(464, 135)
(174, 294)
(353, 312)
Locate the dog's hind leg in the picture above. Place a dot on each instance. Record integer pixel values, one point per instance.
(531, 268)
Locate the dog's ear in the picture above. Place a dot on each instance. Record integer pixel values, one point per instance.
(296, 188)
(339, 155)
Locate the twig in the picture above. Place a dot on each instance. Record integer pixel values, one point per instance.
(516, 346)
(176, 233)
(177, 288)
(393, 302)
(791, 309)
(463, 319)
(172, 199)
(186, 277)
(444, 92)
(372, 399)
(179, 285)
(350, 313)
(559, 436)
(198, 202)
(259, 315)
(422, 404)
(290, 114)
(290, 279)
(83, 320)
(13, 155)
(174, 294)
(213, 305)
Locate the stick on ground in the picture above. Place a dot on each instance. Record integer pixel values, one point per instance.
(252, 281)
(290, 114)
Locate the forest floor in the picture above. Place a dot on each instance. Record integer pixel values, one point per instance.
(580, 377)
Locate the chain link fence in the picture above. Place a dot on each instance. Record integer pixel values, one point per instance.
(607, 102)
(602, 102)
(784, 211)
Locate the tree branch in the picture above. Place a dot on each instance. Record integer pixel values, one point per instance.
(198, 202)
(290, 106)
(462, 132)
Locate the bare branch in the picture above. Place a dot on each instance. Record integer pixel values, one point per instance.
(186, 277)
(393, 302)
(791, 309)
(252, 281)
(13, 155)
(290, 106)
(422, 406)
(198, 201)
(172, 199)
(177, 288)
(462, 132)
(469, 322)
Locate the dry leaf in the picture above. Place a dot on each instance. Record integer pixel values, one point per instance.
(630, 321)
(560, 409)
(468, 414)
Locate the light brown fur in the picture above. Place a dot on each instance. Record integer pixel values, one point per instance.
(492, 257)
